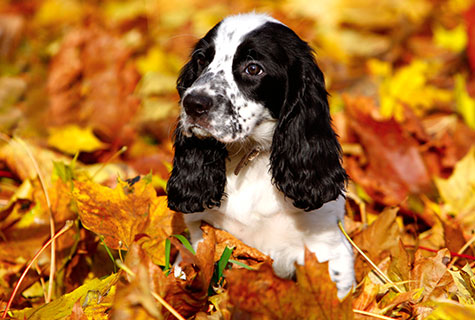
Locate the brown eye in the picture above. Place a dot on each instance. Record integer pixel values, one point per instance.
(200, 59)
(253, 69)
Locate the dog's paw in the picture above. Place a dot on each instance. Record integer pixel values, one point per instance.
(178, 273)
(342, 273)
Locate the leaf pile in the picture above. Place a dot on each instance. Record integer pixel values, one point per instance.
(87, 107)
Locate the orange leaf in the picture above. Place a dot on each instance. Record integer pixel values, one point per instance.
(117, 214)
(314, 296)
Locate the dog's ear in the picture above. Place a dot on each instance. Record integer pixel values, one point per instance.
(306, 156)
(198, 176)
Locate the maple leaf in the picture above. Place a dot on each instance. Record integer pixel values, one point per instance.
(264, 295)
(118, 214)
(395, 165)
(127, 213)
(190, 295)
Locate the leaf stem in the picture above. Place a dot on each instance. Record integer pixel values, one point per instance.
(155, 295)
(52, 268)
(66, 227)
(375, 267)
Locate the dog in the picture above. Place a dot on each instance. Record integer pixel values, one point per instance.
(255, 152)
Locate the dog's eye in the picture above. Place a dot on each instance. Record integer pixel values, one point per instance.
(200, 59)
(253, 69)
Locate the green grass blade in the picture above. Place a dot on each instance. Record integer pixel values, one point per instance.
(167, 256)
(239, 263)
(185, 242)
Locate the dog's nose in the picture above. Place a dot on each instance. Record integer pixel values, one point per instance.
(197, 104)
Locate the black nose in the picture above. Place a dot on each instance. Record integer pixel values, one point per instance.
(197, 104)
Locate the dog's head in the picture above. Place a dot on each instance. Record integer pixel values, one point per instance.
(251, 79)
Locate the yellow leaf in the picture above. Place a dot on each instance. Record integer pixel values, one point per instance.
(123, 10)
(62, 307)
(458, 190)
(454, 40)
(465, 281)
(117, 214)
(156, 60)
(450, 310)
(162, 225)
(52, 12)
(408, 86)
(465, 104)
(72, 139)
(130, 212)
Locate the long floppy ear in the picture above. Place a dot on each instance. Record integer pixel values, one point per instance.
(198, 176)
(306, 156)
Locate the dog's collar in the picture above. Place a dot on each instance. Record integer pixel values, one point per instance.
(246, 159)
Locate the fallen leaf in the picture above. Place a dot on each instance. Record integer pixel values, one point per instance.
(431, 274)
(458, 190)
(377, 240)
(265, 296)
(465, 104)
(449, 310)
(73, 139)
(87, 88)
(89, 294)
(133, 298)
(395, 166)
(117, 214)
(465, 281)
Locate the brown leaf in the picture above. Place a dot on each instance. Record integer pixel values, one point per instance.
(265, 296)
(376, 240)
(431, 274)
(133, 299)
(191, 295)
(241, 252)
(395, 166)
(90, 82)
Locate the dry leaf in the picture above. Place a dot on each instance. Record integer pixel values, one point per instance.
(265, 296)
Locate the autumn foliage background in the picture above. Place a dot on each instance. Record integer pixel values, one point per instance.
(87, 107)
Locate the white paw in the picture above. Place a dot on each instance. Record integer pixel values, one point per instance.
(342, 273)
(178, 273)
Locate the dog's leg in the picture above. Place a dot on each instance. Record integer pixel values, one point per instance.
(196, 236)
(331, 246)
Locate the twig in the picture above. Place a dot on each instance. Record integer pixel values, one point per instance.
(52, 268)
(454, 254)
(370, 314)
(166, 305)
(115, 155)
(460, 252)
(66, 227)
(122, 266)
(375, 267)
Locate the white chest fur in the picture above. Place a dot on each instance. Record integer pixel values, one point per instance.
(254, 211)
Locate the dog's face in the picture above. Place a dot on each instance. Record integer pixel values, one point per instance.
(236, 79)
(252, 80)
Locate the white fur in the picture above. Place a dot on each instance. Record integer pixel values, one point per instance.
(246, 113)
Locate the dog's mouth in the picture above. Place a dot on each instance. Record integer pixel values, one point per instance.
(199, 131)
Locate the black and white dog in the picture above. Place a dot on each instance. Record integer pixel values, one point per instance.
(255, 152)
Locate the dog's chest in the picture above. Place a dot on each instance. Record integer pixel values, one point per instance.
(250, 195)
